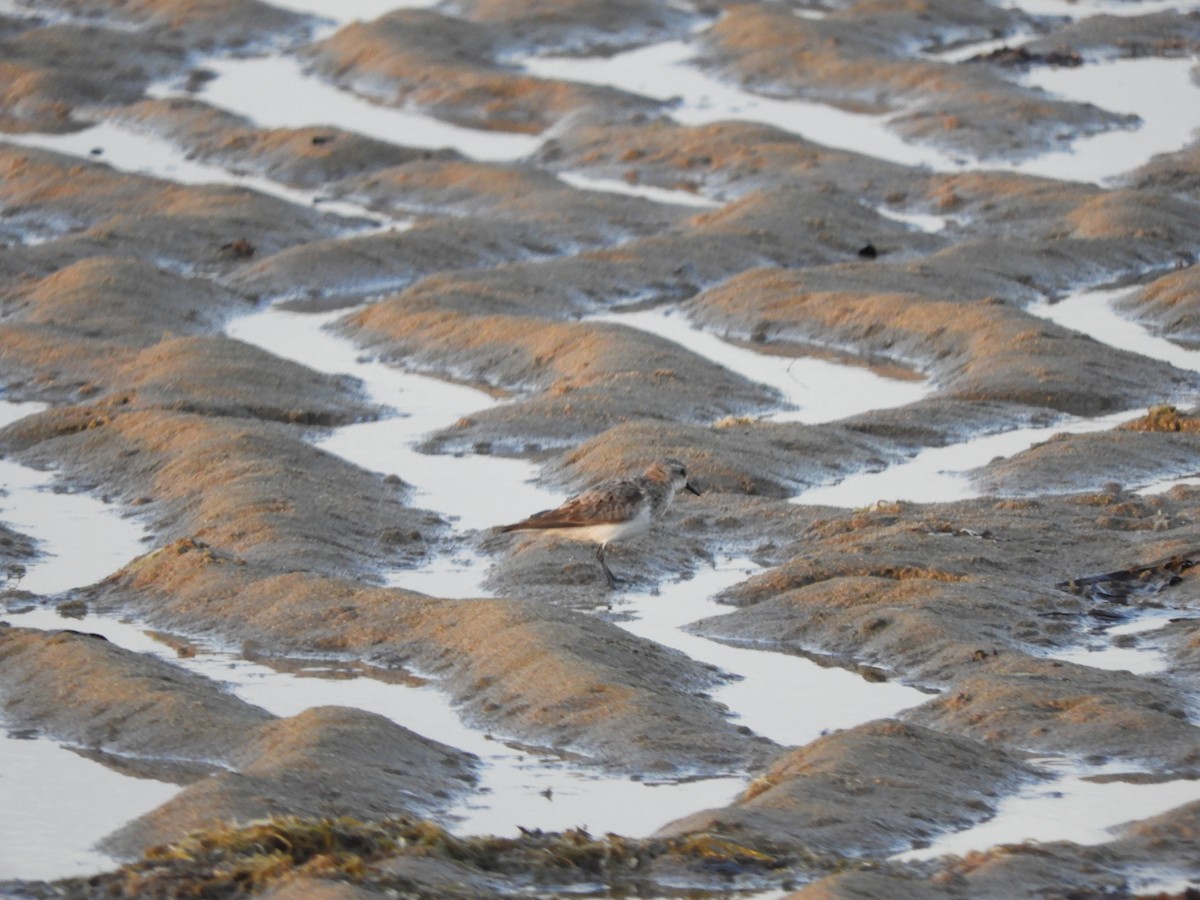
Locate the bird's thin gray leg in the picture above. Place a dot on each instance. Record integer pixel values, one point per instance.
(612, 582)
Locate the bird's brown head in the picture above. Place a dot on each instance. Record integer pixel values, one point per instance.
(669, 470)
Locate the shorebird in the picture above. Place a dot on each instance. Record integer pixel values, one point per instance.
(613, 510)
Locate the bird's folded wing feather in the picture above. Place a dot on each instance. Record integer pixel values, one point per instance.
(610, 502)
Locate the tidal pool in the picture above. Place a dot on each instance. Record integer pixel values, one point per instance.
(814, 390)
(1078, 803)
(276, 92)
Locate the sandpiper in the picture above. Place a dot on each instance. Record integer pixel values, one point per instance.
(613, 510)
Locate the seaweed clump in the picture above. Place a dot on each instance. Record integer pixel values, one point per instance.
(228, 861)
(1163, 418)
(239, 860)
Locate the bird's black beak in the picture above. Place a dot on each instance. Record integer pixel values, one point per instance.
(691, 487)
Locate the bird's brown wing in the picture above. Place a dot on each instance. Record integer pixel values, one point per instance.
(610, 502)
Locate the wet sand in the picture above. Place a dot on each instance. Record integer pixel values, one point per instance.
(300, 309)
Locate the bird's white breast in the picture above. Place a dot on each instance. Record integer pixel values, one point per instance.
(603, 532)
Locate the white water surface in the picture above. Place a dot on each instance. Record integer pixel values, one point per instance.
(666, 71)
(517, 788)
(80, 538)
(467, 492)
(276, 92)
(1170, 111)
(816, 390)
(1091, 312)
(58, 804)
(962, 52)
(789, 699)
(1068, 808)
(926, 222)
(1161, 92)
(462, 488)
(346, 12)
(1082, 9)
(1101, 651)
(13, 412)
(1155, 884)
(585, 182)
(1161, 487)
(939, 474)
